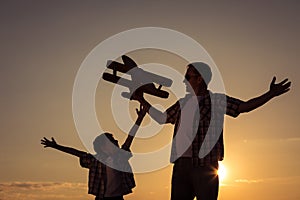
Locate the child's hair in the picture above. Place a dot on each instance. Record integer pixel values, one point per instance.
(102, 139)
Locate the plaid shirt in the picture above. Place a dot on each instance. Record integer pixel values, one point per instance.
(98, 176)
(222, 104)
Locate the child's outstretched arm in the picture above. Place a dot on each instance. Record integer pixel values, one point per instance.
(53, 144)
(141, 114)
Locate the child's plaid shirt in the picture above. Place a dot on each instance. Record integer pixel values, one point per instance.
(98, 176)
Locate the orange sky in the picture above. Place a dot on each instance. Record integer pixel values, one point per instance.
(44, 43)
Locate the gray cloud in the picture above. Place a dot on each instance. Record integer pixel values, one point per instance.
(248, 181)
(40, 185)
(272, 180)
(43, 190)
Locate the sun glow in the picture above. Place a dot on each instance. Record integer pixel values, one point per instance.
(221, 172)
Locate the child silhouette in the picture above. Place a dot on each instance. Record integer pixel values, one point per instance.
(110, 175)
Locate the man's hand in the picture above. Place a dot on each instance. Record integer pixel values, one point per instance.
(49, 143)
(279, 88)
(138, 95)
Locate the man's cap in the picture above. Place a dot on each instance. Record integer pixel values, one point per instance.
(203, 69)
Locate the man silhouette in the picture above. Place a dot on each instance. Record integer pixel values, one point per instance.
(198, 133)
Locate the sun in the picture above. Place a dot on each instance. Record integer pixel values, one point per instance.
(221, 171)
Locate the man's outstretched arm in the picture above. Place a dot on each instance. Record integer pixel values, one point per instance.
(275, 90)
(53, 144)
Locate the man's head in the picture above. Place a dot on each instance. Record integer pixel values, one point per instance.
(198, 75)
(105, 143)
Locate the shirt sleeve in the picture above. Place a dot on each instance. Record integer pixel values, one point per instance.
(232, 106)
(86, 160)
(124, 155)
(173, 113)
(121, 158)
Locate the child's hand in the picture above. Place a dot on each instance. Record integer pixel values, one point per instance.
(48, 143)
(142, 112)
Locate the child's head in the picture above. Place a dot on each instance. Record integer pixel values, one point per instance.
(105, 144)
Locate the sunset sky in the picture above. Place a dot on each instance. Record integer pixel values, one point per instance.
(43, 44)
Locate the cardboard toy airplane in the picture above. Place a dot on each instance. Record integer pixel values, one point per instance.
(140, 79)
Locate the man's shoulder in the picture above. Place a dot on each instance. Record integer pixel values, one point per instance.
(216, 94)
(219, 96)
